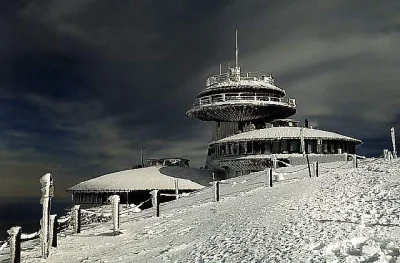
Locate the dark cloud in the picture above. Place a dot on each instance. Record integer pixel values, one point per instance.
(84, 83)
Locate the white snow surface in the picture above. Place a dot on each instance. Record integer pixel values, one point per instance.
(148, 178)
(285, 133)
(345, 215)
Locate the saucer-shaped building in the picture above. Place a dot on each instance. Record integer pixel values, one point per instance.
(251, 128)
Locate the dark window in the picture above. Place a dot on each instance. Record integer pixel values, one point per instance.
(257, 147)
(294, 146)
(284, 146)
(249, 147)
(242, 148)
(275, 146)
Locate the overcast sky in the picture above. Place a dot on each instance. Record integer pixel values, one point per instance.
(84, 82)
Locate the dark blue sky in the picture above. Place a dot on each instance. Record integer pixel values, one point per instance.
(84, 82)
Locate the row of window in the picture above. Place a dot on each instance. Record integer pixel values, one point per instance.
(281, 146)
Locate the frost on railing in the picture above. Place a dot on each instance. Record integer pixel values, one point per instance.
(236, 97)
(251, 76)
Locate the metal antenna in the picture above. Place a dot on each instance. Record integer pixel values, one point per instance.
(220, 68)
(237, 49)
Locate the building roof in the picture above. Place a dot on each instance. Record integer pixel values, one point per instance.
(274, 133)
(148, 178)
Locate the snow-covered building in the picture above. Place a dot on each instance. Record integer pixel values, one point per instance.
(249, 111)
(134, 185)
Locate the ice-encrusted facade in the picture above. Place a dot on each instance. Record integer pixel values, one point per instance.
(250, 114)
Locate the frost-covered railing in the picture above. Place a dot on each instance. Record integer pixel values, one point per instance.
(240, 97)
(252, 76)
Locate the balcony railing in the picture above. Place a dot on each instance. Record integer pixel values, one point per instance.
(239, 97)
(252, 76)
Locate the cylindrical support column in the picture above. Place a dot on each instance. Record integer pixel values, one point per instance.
(216, 191)
(176, 188)
(156, 202)
(77, 218)
(53, 230)
(115, 212)
(15, 243)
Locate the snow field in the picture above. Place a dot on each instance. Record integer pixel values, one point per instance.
(345, 215)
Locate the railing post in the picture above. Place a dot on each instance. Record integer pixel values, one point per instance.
(216, 191)
(115, 212)
(15, 244)
(176, 188)
(53, 230)
(355, 162)
(156, 202)
(316, 169)
(77, 219)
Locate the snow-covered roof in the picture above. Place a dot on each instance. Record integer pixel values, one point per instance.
(148, 178)
(285, 133)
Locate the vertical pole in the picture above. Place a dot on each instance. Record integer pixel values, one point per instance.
(237, 50)
(47, 193)
(156, 202)
(355, 162)
(77, 219)
(15, 244)
(216, 191)
(316, 169)
(53, 230)
(115, 212)
(127, 199)
(176, 189)
(270, 177)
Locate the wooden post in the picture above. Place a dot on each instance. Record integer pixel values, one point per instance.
(316, 169)
(77, 219)
(47, 192)
(15, 244)
(176, 188)
(355, 162)
(156, 202)
(53, 230)
(115, 212)
(216, 191)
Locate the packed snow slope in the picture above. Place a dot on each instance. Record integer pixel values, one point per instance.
(345, 215)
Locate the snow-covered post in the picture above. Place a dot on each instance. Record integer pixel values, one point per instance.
(274, 161)
(156, 202)
(77, 219)
(53, 230)
(115, 212)
(15, 244)
(392, 133)
(216, 191)
(47, 192)
(385, 154)
(355, 161)
(176, 189)
(390, 156)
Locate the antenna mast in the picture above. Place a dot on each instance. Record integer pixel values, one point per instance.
(237, 49)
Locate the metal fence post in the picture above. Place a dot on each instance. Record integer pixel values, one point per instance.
(15, 244)
(270, 176)
(176, 188)
(316, 169)
(355, 162)
(216, 191)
